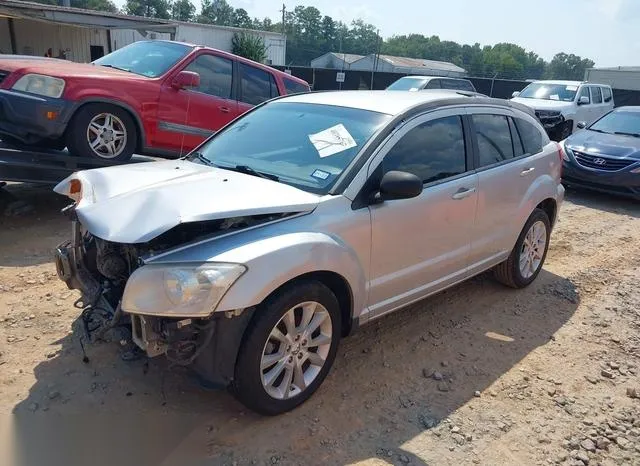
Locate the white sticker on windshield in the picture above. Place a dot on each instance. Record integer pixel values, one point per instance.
(572, 88)
(413, 89)
(554, 97)
(332, 140)
(320, 174)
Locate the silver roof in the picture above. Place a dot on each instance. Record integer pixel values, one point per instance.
(389, 102)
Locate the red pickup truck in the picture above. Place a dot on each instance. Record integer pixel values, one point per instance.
(150, 97)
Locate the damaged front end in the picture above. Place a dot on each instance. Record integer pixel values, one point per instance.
(555, 124)
(158, 319)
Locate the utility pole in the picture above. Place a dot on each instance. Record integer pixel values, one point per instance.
(375, 57)
(284, 9)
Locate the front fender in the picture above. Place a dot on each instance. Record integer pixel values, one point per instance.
(272, 262)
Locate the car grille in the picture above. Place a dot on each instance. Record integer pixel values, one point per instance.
(548, 117)
(598, 162)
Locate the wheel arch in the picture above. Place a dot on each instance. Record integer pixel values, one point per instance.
(141, 137)
(338, 285)
(550, 207)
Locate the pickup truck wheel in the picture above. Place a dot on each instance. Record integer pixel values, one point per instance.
(102, 131)
(288, 348)
(528, 255)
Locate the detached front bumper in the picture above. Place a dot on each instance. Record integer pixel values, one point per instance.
(30, 118)
(208, 346)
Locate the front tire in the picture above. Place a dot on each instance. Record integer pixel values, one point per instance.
(102, 131)
(528, 255)
(288, 348)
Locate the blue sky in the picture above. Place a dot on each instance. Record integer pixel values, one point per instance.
(607, 31)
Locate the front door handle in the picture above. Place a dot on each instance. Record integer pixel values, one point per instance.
(527, 171)
(462, 193)
(224, 109)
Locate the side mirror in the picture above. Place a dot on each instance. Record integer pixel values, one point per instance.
(186, 79)
(584, 100)
(581, 124)
(399, 185)
(515, 94)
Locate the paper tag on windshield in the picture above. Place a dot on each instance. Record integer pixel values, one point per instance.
(572, 88)
(413, 89)
(332, 140)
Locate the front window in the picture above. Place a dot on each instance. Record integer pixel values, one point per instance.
(547, 91)
(621, 122)
(309, 147)
(407, 84)
(146, 58)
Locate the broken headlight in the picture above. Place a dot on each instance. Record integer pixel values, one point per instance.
(179, 290)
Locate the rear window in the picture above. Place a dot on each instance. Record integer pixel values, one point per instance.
(596, 95)
(294, 87)
(457, 84)
(494, 139)
(530, 135)
(607, 94)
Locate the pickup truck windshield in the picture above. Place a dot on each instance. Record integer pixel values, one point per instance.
(546, 91)
(407, 84)
(147, 58)
(304, 145)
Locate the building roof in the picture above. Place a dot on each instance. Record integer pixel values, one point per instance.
(347, 57)
(406, 62)
(389, 102)
(617, 68)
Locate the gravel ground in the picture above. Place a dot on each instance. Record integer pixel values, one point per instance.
(479, 374)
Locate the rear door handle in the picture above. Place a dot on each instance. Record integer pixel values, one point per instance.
(224, 109)
(463, 192)
(527, 171)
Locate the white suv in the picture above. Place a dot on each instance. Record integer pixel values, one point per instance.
(561, 105)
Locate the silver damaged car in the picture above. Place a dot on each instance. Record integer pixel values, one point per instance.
(307, 217)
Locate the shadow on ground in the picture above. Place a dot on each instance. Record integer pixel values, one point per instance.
(35, 229)
(375, 399)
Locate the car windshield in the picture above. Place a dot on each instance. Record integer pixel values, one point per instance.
(407, 84)
(547, 91)
(301, 144)
(623, 122)
(147, 58)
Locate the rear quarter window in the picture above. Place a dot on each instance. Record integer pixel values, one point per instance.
(294, 87)
(607, 94)
(530, 135)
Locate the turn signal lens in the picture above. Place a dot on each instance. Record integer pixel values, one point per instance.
(52, 115)
(75, 187)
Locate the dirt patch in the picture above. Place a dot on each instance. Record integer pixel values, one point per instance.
(479, 374)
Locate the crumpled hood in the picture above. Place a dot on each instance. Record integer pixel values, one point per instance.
(594, 143)
(137, 202)
(542, 104)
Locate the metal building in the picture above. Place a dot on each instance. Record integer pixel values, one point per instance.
(28, 28)
(336, 61)
(618, 77)
(388, 63)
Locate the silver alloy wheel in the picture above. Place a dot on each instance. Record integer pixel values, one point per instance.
(107, 135)
(296, 350)
(533, 249)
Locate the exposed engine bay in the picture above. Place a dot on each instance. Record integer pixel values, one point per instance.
(100, 270)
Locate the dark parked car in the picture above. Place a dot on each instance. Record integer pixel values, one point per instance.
(605, 156)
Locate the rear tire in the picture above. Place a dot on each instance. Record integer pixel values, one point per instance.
(528, 255)
(102, 131)
(281, 362)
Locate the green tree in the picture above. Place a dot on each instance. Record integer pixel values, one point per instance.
(241, 19)
(216, 12)
(249, 46)
(183, 10)
(571, 66)
(149, 8)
